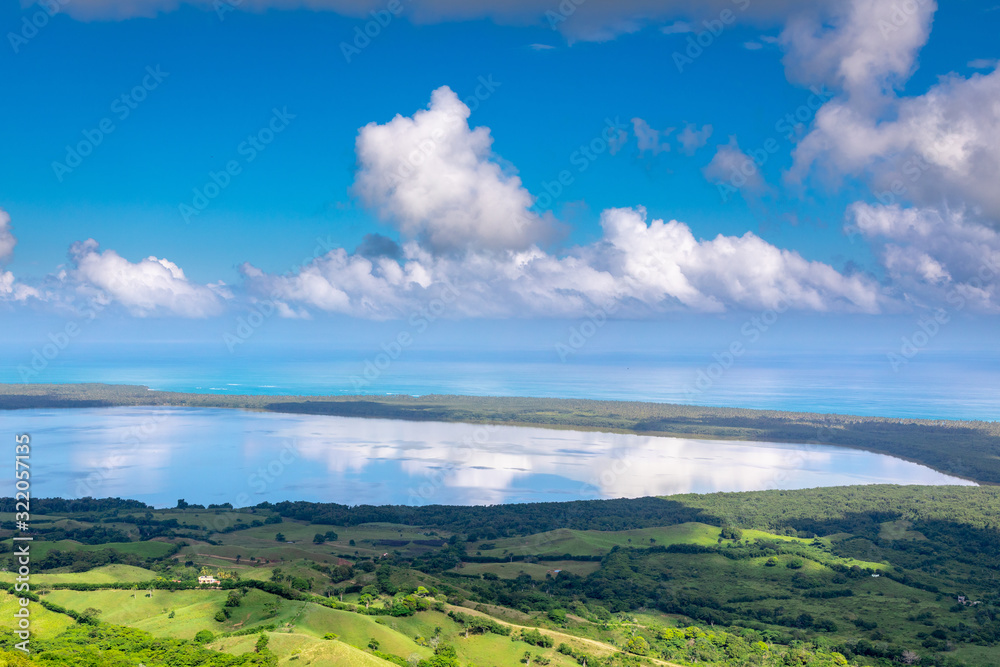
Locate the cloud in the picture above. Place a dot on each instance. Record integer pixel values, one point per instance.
(455, 197)
(934, 259)
(619, 138)
(936, 151)
(651, 140)
(435, 179)
(753, 46)
(861, 47)
(677, 27)
(7, 238)
(637, 269)
(983, 63)
(11, 290)
(732, 169)
(151, 286)
(577, 21)
(940, 146)
(541, 47)
(691, 138)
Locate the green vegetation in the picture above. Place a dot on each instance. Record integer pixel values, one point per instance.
(759, 578)
(864, 575)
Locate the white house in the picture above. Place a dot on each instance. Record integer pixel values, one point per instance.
(208, 579)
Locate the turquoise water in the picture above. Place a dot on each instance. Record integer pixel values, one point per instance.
(951, 386)
(158, 455)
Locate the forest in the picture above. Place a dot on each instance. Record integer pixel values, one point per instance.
(864, 575)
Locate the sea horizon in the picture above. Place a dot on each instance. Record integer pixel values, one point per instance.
(950, 385)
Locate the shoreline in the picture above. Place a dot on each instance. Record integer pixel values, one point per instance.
(963, 449)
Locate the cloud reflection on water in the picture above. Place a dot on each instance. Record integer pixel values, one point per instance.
(212, 456)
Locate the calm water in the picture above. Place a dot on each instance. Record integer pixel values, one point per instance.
(932, 387)
(158, 455)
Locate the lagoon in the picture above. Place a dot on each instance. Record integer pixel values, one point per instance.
(207, 455)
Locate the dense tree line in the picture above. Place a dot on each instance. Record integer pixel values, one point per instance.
(101, 644)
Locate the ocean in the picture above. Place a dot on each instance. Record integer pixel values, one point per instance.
(941, 386)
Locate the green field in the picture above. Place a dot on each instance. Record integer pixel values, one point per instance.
(106, 574)
(534, 570)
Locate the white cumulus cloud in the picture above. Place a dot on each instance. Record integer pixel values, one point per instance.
(435, 179)
(638, 268)
(151, 286)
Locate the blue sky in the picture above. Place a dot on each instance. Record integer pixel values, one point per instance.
(304, 194)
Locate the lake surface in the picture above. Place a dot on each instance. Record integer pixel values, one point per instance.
(158, 455)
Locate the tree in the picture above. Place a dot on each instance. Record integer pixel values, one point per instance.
(181, 504)
(91, 614)
(279, 537)
(373, 644)
(637, 645)
(261, 645)
(319, 538)
(204, 636)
